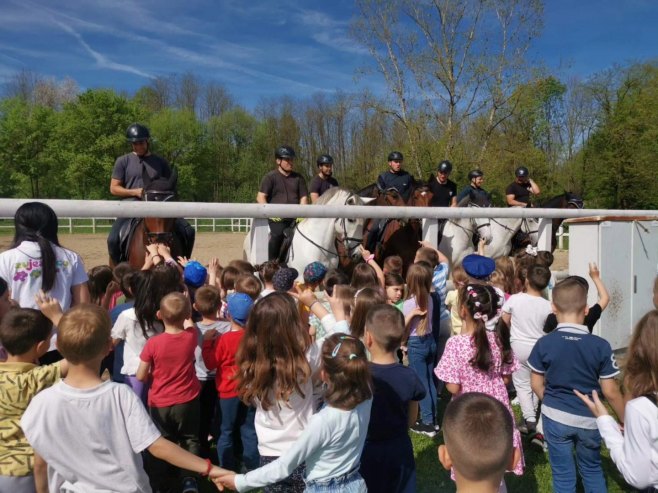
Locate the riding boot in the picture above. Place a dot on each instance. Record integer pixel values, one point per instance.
(374, 235)
(187, 234)
(441, 224)
(114, 241)
(277, 229)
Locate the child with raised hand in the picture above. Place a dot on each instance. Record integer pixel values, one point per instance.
(387, 462)
(479, 446)
(594, 312)
(220, 354)
(480, 360)
(25, 334)
(167, 360)
(571, 358)
(331, 442)
(421, 346)
(525, 313)
(633, 451)
(278, 365)
(66, 423)
(369, 258)
(459, 280)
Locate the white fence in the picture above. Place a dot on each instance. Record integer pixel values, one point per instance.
(101, 224)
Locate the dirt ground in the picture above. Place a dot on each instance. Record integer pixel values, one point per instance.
(225, 246)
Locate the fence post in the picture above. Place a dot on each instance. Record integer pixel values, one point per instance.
(545, 234)
(430, 230)
(70, 225)
(560, 237)
(258, 240)
(93, 225)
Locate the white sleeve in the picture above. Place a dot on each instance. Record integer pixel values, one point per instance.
(630, 452)
(508, 305)
(119, 328)
(79, 274)
(314, 437)
(142, 432)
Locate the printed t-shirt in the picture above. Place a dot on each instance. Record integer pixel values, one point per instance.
(171, 357)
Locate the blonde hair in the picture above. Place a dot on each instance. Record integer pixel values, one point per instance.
(175, 308)
(419, 284)
(84, 333)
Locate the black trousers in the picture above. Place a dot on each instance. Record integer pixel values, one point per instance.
(276, 237)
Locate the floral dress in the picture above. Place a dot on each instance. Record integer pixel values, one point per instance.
(455, 367)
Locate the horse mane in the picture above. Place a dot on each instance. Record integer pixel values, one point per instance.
(330, 195)
(464, 202)
(366, 191)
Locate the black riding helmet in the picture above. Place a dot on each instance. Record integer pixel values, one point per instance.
(444, 167)
(395, 156)
(284, 152)
(325, 159)
(475, 174)
(137, 133)
(521, 172)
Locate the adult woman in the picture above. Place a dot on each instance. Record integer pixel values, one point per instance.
(37, 261)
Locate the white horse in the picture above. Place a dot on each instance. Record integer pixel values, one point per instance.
(503, 229)
(456, 241)
(316, 239)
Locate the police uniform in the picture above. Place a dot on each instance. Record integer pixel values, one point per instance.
(402, 181)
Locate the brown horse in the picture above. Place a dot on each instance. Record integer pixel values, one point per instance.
(396, 236)
(152, 230)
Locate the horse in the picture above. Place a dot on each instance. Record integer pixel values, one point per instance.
(457, 239)
(504, 230)
(151, 230)
(332, 241)
(567, 200)
(396, 236)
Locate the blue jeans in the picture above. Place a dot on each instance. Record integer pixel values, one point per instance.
(352, 482)
(237, 416)
(421, 350)
(561, 440)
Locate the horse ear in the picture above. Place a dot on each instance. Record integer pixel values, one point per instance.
(173, 179)
(367, 200)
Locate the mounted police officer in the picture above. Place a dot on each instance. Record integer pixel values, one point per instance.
(444, 192)
(324, 180)
(475, 190)
(128, 175)
(519, 191)
(396, 177)
(281, 186)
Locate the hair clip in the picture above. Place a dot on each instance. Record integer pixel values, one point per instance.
(334, 353)
(353, 356)
(470, 288)
(477, 303)
(473, 294)
(530, 250)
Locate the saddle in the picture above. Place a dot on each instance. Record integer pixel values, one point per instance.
(125, 237)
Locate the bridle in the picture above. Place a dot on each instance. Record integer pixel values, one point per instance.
(164, 237)
(341, 239)
(474, 224)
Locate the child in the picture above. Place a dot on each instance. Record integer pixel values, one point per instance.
(387, 462)
(364, 299)
(249, 285)
(480, 360)
(595, 311)
(173, 399)
(314, 274)
(571, 358)
(364, 276)
(332, 442)
(545, 259)
(81, 421)
(369, 259)
(633, 451)
(478, 442)
(394, 285)
(277, 362)
(135, 325)
(25, 335)
(266, 272)
(220, 354)
(421, 346)
(506, 267)
(284, 280)
(207, 303)
(5, 305)
(525, 314)
(459, 280)
(393, 264)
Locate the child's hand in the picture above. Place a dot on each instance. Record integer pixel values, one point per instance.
(214, 265)
(224, 480)
(364, 253)
(596, 406)
(164, 251)
(594, 271)
(417, 312)
(50, 307)
(152, 248)
(306, 296)
(112, 287)
(183, 261)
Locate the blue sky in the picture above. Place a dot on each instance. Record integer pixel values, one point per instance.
(262, 49)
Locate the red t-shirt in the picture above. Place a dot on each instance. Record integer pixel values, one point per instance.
(220, 354)
(171, 357)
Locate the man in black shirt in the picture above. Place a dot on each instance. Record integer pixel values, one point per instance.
(444, 192)
(396, 177)
(519, 191)
(128, 183)
(323, 181)
(281, 186)
(478, 194)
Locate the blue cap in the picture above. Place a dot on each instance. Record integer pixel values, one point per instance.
(194, 274)
(478, 266)
(239, 305)
(284, 279)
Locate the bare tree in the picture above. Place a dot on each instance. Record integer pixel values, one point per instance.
(21, 85)
(187, 93)
(215, 100)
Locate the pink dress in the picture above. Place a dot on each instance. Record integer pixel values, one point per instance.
(455, 367)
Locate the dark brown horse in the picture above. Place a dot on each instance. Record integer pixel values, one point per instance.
(152, 230)
(395, 236)
(567, 200)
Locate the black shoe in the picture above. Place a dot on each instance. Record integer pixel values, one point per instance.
(423, 429)
(189, 485)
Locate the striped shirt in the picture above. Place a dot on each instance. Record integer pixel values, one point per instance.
(439, 283)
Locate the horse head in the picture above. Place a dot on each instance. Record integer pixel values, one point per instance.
(421, 196)
(160, 189)
(574, 201)
(349, 231)
(481, 226)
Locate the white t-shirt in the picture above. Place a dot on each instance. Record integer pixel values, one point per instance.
(127, 329)
(528, 317)
(91, 438)
(221, 326)
(21, 268)
(331, 446)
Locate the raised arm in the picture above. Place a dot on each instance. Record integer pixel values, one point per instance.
(595, 275)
